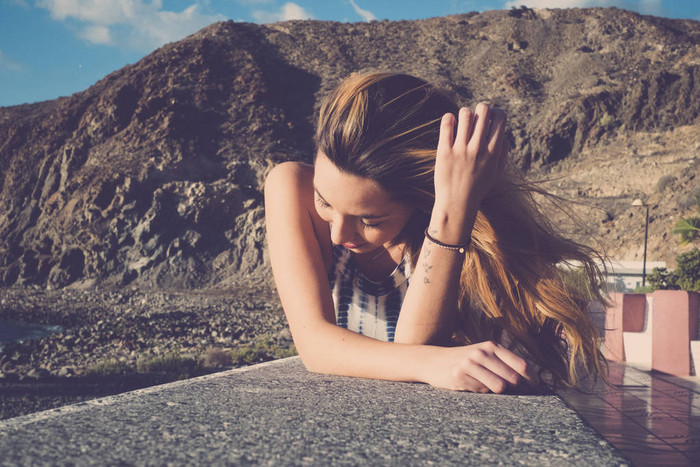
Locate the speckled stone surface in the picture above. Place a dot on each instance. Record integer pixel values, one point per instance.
(278, 413)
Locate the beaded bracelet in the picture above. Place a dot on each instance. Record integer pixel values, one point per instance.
(461, 248)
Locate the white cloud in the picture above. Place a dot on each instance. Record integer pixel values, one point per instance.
(95, 11)
(366, 15)
(138, 24)
(168, 26)
(97, 34)
(9, 64)
(288, 12)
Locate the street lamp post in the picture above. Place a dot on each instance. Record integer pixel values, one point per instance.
(639, 202)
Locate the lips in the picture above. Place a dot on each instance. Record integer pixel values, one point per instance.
(350, 245)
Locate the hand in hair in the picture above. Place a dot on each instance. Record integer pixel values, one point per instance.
(482, 367)
(467, 166)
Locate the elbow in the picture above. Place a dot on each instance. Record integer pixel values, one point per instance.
(310, 363)
(314, 364)
(313, 347)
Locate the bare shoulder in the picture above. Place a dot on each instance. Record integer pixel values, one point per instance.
(289, 206)
(289, 178)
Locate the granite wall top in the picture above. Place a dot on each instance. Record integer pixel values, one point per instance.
(278, 413)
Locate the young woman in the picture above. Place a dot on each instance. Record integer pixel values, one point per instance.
(411, 251)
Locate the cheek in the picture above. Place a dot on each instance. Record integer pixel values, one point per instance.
(322, 213)
(384, 234)
(398, 227)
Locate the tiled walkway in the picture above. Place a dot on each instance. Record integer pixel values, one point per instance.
(652, 418)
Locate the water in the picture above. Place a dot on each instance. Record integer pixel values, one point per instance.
(17, 331)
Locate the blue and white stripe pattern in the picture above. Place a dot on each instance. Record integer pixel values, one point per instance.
(367, 307)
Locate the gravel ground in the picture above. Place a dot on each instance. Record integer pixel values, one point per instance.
(111, 340)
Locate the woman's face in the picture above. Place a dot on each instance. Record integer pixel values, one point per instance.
(361, 215)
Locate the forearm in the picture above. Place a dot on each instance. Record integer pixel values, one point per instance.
(327, 348)
(466, 166)
(480, 368)
(429, 309)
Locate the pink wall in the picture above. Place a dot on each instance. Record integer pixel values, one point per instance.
(675, 324)
(626, 315)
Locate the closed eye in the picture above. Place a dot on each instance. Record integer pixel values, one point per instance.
(322, 203)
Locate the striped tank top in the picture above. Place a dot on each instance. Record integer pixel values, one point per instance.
(365, 306)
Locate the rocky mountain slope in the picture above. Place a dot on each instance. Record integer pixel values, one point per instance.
(153, 176)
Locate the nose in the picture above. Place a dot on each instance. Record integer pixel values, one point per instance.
(342, 230)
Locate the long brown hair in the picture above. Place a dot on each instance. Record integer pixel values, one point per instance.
(385, 127)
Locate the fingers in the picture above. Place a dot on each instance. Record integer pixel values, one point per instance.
(495, 375)
(481, 122)
(497, 139)
(496, 130)
(483, 367)
(496, 368)
(446, 138)
(517, 364)
(465, 125)
(468, 383)
(480, 130)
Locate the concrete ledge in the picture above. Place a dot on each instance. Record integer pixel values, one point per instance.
(278, 413)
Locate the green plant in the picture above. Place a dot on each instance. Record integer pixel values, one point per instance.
(109, 368)
(685, 277)
(687, 273)
(263, 350)
(662, 279)
(180, 366)
(216, 357)
(688, 270)
(689, 227)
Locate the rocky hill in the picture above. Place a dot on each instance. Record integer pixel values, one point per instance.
(153, 176)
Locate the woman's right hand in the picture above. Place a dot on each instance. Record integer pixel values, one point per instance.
(482, 367)
(467, 165)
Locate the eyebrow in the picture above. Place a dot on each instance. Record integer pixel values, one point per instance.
(363, 216)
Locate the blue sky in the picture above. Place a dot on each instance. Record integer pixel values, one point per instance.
(52, 48)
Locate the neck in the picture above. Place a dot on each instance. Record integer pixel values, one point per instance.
(381, 262)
